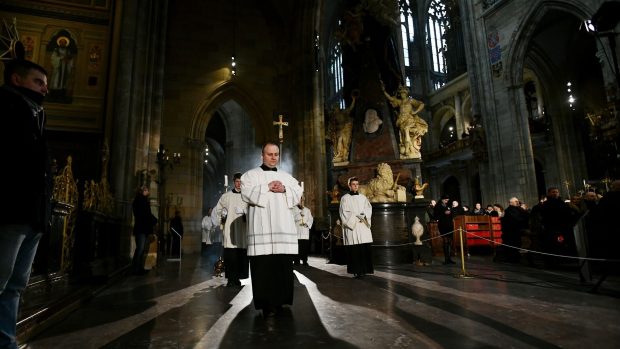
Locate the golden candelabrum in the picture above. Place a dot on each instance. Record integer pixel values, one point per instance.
(66, 195)
(98, 196)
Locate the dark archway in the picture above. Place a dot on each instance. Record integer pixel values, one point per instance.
(452, 188)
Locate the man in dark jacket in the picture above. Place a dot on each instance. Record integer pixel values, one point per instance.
(514, 222)
(144, 221)
(25, 208)
(558, 220)
(444, 217)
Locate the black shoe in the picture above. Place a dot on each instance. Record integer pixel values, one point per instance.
(451, 261)
(141, 271)
(305, 263)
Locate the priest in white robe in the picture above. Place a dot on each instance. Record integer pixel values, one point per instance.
(303, 220)
(232, 210)
(355, 215)
(272, 234)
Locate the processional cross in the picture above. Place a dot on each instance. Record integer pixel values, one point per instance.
(280, 130)
(280, 124)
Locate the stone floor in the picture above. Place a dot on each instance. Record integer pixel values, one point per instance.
(182, 305)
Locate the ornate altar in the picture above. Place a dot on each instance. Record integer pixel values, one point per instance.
(386, 132)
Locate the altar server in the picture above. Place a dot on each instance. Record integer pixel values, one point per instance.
(272, 234)
(232, 210)
(304, 220)
(355, 215)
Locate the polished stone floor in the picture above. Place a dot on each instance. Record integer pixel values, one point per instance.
(182, 305)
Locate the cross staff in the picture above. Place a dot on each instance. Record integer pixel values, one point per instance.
(280, 130)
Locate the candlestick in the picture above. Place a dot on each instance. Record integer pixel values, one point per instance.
(225, 180)
(302, 186)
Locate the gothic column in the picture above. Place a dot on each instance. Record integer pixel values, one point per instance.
(138, 97)
(458, 116)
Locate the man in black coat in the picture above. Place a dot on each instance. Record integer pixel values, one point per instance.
(144, 222)
(514, 222)
(558, 220)
(25, 208)
(443, 214)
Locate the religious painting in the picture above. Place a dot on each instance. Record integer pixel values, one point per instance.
(495, 53)
(61, 54)
(31, 46)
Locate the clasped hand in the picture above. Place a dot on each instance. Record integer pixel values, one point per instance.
(276, 187)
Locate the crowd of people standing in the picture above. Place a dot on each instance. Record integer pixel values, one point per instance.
(554, 226)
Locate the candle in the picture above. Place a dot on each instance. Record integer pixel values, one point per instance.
(302, 186)
(225, 180)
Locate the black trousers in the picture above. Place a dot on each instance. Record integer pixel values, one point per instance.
(236, 263)
(272, 280)
(304, 248)
(447, 247)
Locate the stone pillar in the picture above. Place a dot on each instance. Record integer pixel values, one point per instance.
(458, 116)
(137, 114)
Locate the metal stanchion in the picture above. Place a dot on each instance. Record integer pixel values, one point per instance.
(180, 247)
(463, 274)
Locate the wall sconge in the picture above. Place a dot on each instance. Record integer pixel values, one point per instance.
(163, 159)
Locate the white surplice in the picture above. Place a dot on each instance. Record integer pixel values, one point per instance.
(355, 231)
(234, 208)
(271, 226)
(208, 229)
(303, 220)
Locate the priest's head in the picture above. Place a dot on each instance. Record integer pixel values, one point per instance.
(271, 154)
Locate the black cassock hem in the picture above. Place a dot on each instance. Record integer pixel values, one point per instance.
(272, 280)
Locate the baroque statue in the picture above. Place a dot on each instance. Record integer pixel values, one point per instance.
(411, 126)
(384, 188)
(341, 129)
(419, 188)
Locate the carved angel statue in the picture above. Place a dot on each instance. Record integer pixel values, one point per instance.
(342, 128)
(411, 126)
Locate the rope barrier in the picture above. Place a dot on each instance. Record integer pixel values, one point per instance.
(545, 253)
(329, 234)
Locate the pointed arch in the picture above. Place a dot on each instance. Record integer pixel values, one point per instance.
(222, 93)
(519, 43)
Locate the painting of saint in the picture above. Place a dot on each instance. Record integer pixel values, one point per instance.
(62, 51)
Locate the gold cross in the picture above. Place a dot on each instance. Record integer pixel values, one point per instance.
(280, 130)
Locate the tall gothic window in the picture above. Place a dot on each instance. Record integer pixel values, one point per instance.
(436, 41)
(407, 28)
(336, 76)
